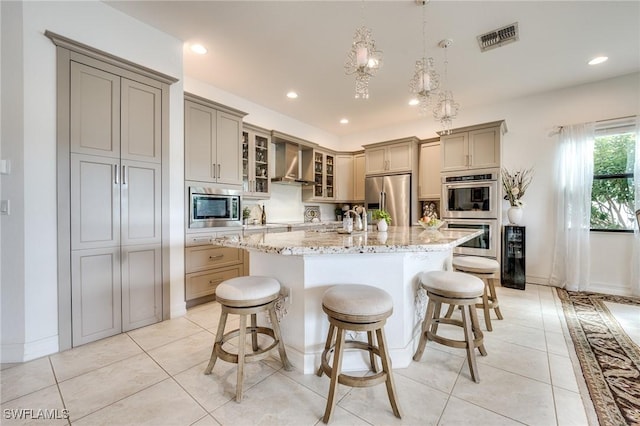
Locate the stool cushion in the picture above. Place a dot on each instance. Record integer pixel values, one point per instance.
(357, 300)
(452, 284)
(476, 264)
(248, 288)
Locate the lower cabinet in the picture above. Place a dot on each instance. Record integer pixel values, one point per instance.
(207, 266)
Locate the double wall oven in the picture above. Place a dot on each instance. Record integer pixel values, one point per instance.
(470, 200)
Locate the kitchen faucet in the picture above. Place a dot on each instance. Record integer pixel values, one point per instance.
(361, 218)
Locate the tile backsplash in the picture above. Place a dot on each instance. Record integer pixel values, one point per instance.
(286, 206)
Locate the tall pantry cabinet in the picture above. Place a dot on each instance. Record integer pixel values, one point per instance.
(115, 127)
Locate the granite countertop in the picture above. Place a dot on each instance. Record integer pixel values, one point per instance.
(325, 241)
(290, 226)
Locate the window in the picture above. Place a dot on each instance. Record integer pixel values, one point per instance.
(612, 195)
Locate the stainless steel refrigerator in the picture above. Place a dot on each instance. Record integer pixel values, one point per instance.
(391, 193)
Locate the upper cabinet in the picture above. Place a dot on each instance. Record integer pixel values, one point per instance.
(255, 162)
(429, 170)
(319, 166)
(213, 147)
(390, 157)
(349, 177)
(475, 147)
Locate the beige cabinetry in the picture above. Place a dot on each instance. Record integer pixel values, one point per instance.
(115, 133)
(206, 266)
(475, 147)
(429, 170)
(255, 162)
(349, 177)
(212, 140)
(390, 157)
(319, 167)
(358, 176)
(344, 177)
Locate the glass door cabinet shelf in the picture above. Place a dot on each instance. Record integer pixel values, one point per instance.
(255, 162)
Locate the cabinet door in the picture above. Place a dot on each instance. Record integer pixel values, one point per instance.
(94, 111)
(200, 142)
(228, 149)
(96, 293)
(484, 148)
(358, 177)
(429, 171)
(329, 175)
(141, 286)
(141, 203)
(344, 178)
(455, 152)
(141, 122)
(261, 184)
(400, 157)
(95, 201)
(375, 160)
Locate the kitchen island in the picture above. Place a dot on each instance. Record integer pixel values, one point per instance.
(309, 262)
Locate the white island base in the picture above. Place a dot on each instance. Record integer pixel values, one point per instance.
(305, 326)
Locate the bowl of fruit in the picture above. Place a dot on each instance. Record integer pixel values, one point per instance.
(430, 224)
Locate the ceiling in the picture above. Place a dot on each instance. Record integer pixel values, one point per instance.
(260, 50)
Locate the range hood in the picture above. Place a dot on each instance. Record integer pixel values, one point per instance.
(288, 161)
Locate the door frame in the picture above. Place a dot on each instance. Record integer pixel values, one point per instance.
(68, 50)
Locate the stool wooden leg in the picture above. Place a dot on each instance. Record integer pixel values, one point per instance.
(477, 332)
(327, 346)
(216, 342)
(468, 335)
(450, 311)
(426, 323)
(372, 357)
(386, 367)
(241, 350)
(254, 333)
(436, 316)
(276, 331)
(335, 372)
(485, 305)
(494, 298)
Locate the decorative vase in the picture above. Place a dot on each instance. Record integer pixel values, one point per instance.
(515, 215)
(382, 225)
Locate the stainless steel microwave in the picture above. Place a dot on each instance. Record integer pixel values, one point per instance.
(214, 207)
(470, 195)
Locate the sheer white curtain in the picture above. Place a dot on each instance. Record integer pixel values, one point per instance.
(635, 260)
(573, 179)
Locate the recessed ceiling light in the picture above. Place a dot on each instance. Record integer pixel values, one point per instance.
(414, 102)
(344, 121)
(292, 95)
(198, 48)
(598, 60)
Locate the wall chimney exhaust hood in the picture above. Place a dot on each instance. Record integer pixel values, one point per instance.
(288, 159)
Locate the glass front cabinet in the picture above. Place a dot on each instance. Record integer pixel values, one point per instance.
(255, 162)
(319, 166)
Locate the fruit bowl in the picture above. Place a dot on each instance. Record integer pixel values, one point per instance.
(431, 225)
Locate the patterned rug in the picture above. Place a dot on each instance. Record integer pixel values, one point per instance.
(610, 361)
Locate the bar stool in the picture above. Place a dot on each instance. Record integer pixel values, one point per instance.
(456, 289)
(356, 307)
(247, 296)
(487, 270)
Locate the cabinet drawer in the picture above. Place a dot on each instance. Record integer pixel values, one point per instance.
(204, 283)
(198, 239)
(206, 257)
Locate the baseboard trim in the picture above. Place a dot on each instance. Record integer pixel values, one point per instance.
(22, 352)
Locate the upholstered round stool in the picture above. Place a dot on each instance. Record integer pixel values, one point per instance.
(487, 270)
(456, 289)
(247, 296)
(357, 307)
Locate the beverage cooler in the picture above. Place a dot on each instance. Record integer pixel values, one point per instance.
(513, 257)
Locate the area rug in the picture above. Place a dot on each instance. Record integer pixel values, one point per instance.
(610, 361)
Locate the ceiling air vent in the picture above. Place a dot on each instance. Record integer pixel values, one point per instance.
(499, 37)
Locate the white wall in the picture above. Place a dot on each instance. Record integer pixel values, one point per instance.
(32, 242)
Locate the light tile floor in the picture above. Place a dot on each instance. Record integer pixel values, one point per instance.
(154, 375)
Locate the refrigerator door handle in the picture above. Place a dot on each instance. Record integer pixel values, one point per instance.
(383, 201)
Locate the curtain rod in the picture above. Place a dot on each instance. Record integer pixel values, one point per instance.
(557, 129)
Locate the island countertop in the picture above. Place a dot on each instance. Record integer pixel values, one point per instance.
(310, 242)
